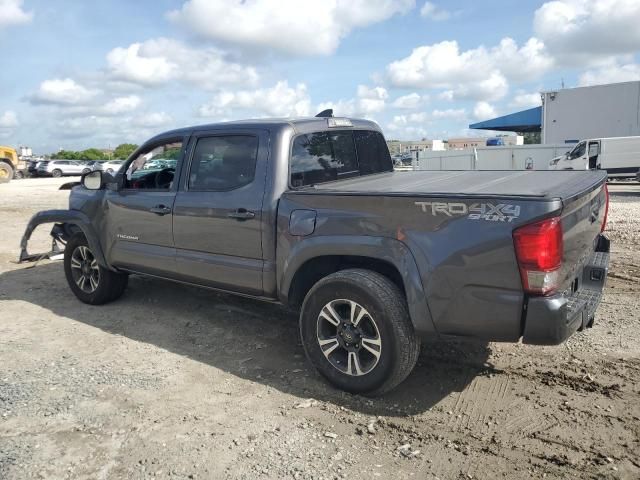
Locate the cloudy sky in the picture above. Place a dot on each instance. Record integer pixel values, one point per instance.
(77, 74)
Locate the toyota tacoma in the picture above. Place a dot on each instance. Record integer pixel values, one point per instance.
(310, 213)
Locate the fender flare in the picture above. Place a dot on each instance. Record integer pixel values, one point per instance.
(73, 217)
(386, 249)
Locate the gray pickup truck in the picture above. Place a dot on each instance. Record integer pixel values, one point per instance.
(310, 213)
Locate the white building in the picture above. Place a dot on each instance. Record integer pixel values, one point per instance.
(402, 147)
(573, 114)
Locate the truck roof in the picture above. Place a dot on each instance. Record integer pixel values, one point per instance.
(298, 125)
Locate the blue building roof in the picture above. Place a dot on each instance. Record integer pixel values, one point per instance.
(525, 121)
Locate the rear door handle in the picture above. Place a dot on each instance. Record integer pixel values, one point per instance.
(241, 214)
(160, 210)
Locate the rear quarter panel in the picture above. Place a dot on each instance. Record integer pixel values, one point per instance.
(465, 258)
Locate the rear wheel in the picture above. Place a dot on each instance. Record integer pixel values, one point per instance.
(356, 331)
(6, 172)
(57, 173)
(19, 174)
(90, 282)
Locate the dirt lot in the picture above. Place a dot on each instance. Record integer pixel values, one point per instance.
(173, 381)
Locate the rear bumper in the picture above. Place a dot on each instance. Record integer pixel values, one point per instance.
(551, 320)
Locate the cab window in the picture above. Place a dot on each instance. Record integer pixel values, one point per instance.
(224, 162)
(333, 155)
(154, 168)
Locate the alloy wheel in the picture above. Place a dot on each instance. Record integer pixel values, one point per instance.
(84, 269)
(349, 337)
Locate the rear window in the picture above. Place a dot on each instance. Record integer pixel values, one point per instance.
(325, 156)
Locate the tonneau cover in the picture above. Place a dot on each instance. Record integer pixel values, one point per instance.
(517, 183)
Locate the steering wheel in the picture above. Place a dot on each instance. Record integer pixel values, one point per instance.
(164, 178)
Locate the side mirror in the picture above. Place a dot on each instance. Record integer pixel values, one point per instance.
(92, 180)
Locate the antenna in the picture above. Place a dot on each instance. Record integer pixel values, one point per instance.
(562, 82)
(325, 113)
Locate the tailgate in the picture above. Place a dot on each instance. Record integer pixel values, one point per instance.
(583, 214)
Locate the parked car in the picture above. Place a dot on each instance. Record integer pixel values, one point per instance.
(59, 168)
(112, 166)
(94, 165)
(311, 214)
(32, 168)
(495, 142)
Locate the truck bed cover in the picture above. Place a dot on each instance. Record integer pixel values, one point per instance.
(544, 185)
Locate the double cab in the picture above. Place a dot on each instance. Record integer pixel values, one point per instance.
(310, 213)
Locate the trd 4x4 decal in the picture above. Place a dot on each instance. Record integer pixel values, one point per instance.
(502, 212)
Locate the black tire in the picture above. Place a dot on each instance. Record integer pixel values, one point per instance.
(19, 174)
(85, 171)
(56, 173)
(6, 172)
(109, 285)
(385, 309)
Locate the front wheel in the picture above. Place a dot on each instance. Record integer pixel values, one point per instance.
(90, 282)
(85, 171)
(57, 173)
(356, 331)
(6, 172)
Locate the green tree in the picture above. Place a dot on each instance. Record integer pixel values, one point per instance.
(66, 155)
(92, 154)
(123, 150)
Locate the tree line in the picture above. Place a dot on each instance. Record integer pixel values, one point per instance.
(121, 152)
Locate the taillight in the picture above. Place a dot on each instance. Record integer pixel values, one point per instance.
(606, 208)
(539, 253)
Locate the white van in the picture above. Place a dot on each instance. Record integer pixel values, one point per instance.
(619, 156)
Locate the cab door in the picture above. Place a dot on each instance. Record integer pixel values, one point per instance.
(593, 153)
(139, 214)
(217, 220)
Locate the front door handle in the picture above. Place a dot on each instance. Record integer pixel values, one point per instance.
(241, 214)
(160, 210)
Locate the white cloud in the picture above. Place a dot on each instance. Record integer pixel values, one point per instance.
(413, 124)
(483, 111)
(368, 100)
(121, 105)
(371, 100)
(300, 27)
(479, 73)
(62, 92)
(526, 100)
(610, 74)
(11, 13)
(158, 61)
(410, 101)
(8, 119)
(521, 63)
(449, 113)
(281, 100)
(584, 31)
(133, 65)
(447, 95)
(152, 120)
(432, 11)
(83, 126)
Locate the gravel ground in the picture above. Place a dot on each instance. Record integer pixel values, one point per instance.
(176, 382)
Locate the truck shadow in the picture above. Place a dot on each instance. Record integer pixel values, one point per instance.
(252, 340)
